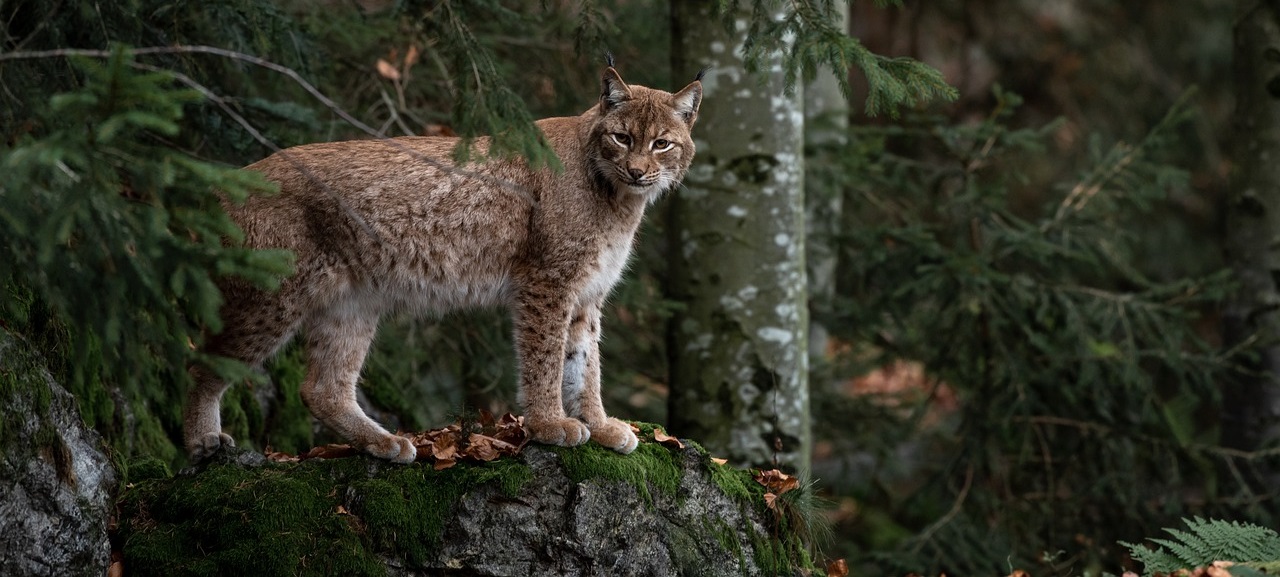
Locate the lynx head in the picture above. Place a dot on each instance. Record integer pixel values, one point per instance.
(640, 141)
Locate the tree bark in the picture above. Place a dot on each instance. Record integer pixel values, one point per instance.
(739, 359)
(1253, 227)
(826, 118)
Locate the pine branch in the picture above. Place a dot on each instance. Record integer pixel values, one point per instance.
(292, 75)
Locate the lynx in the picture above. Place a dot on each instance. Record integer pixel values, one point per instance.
(378, 227)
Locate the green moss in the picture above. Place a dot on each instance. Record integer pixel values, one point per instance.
(144, 469)
(780, 554)
(241, 414)
(650, 465)
(407, 509)
(150, 437)
(23, 392)
(310, 518)
(233, 521)
(726, 536)
(289, 428)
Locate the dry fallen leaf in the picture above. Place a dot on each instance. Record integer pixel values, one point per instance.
(333, 451)
(279, 457)
(387, 70)
(719, 461)
(341, 510)
(776, 481)
(838, 568)
(662, 437)
(411, 57)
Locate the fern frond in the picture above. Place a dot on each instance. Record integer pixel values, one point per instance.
(1207, 541)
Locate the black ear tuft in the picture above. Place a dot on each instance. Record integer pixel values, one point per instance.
(613, 91)
(608, 58)
(702, 73)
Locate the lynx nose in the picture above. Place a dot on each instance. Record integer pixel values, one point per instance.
(635, 173)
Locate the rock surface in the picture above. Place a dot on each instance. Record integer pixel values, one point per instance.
(55, 481)
(547, 512)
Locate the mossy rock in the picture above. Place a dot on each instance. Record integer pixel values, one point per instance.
(55, 481)
(549, 511)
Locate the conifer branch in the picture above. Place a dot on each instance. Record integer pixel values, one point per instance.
(263, 140)
(293, 75)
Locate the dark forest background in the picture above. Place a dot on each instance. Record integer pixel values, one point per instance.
(1036, 337)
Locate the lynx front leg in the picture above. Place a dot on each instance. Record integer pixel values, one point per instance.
(580, 388)
(337, 344)
(541, 325)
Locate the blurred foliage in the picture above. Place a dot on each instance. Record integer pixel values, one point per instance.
(805, 33)
(1066, 399)
(96, 204)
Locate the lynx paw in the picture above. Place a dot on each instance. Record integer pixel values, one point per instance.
(562, 431)
(393, 448)
(615, 435)
(206, 445)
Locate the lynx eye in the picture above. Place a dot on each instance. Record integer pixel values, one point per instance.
(623, 140)
(662, 145)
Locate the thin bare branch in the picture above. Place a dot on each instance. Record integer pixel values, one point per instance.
(263, 140)
(299, 80)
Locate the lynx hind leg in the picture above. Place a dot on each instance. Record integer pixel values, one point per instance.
(250, 334)
(201, 417)
(337, 343)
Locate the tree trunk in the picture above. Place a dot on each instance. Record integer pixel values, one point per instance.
(739, 359)
(1253, 227)
(826, 118)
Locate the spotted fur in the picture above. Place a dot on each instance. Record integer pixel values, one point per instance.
(376, 229)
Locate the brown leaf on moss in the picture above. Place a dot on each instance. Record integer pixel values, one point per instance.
(838, 568)
(279, 457)
(776, 481)
(331, 451)
(634, 428)
(444, 446)
(719, 461)
(769, 500)
(662, 437)
(485, 448)
(442, 464)
(510, 429)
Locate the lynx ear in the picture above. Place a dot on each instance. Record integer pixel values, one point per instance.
(613, 91)
(687, 100)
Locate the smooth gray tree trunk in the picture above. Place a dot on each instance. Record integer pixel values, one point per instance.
(1253, 227)
(826, 115)
(739, 358)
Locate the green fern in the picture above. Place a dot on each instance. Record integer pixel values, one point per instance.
(1206, 542)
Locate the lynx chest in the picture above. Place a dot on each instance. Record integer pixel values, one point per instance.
(606, 270)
